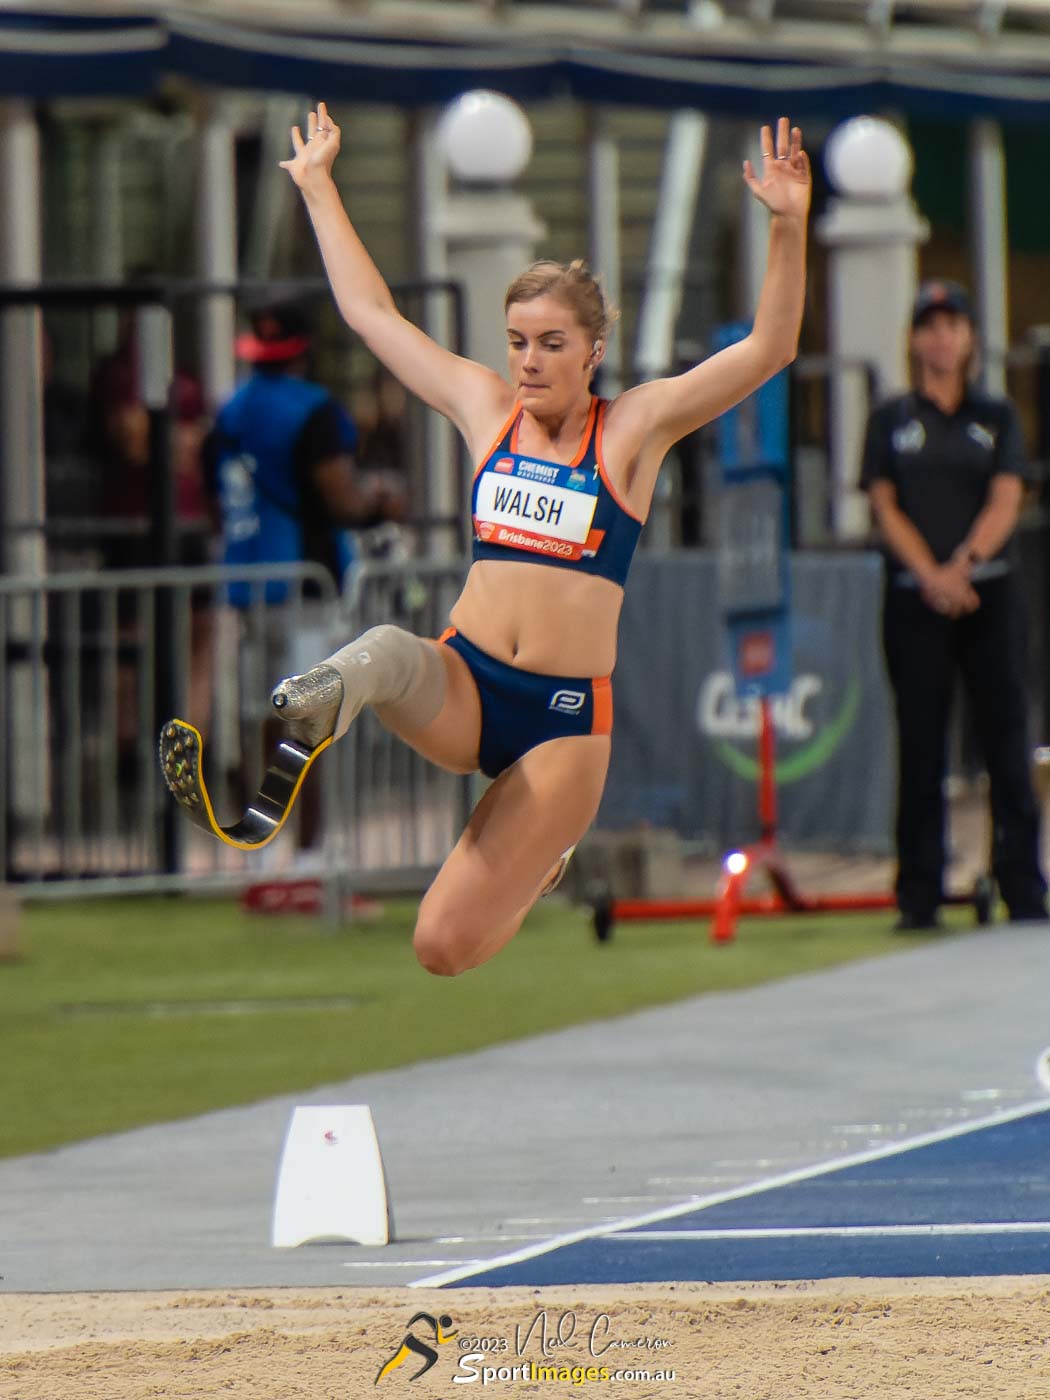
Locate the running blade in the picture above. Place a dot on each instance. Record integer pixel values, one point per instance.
(182, 763)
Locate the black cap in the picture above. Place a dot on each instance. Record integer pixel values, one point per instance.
(279, 332)
(939, 295)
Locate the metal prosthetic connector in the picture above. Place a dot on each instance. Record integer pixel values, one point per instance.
(309, 704)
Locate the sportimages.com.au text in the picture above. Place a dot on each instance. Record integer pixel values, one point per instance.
(476, 1366)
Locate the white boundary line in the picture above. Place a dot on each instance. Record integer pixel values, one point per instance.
(755, 1188)
(806, 1232)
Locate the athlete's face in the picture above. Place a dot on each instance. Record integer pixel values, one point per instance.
(943, 342)
(550, 357)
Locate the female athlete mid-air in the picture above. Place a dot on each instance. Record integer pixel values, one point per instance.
(518, 686)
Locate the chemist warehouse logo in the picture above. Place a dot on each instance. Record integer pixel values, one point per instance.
(811, 721)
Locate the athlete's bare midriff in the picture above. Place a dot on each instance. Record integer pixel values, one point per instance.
(540, 618)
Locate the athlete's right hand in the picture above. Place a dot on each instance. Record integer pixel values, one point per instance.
(314, 156)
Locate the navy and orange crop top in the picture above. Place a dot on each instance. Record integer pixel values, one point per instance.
(541, 512)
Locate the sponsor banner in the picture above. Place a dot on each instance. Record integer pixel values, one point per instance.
(685, 750)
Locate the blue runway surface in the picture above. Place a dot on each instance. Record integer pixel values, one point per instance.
(963, 1203)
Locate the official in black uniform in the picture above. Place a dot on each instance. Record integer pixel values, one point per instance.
(945, 470)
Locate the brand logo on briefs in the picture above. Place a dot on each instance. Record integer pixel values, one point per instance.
(567, 702)
(505, 464)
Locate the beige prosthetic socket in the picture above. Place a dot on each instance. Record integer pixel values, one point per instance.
(392, 670)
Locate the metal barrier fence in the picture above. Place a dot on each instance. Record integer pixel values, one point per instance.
(91, 665)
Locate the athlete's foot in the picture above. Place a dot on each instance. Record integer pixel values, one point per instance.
(557, 872)
(309, 704)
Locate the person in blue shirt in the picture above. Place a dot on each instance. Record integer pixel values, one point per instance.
(519, 685)
(281, 464)
(281, 460)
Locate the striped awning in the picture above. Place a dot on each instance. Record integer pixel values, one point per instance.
(345, 55)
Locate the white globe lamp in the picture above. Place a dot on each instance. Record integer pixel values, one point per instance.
(486, 138)
(867, 158)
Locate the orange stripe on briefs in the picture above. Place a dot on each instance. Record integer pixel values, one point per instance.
(601, 688)
(448, 633)
(600, 458)
(515, 414)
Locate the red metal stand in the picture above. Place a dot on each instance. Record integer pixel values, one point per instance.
(765, 854)
(738, 867)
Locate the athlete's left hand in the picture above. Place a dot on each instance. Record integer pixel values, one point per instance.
(786, 183)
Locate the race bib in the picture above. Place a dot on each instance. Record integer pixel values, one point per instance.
(539, 506)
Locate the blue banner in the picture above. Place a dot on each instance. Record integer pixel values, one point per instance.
(754, 532)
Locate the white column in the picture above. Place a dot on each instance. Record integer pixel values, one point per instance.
(217, 251)
(603, 181)
(441, 450)
(22, 446)
(22, 452)
(990, 249)
(492, 236)
(872, 231)
(489, 232)
(669, 246)
(275, 193)
(107, 226)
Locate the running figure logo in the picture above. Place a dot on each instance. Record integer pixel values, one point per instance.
(410, 1345)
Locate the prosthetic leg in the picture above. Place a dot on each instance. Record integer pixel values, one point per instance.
(386, 667)
(182, 760)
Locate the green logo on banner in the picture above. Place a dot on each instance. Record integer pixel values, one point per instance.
(723, 717)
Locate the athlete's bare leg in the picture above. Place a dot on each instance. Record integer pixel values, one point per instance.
(496, 871)
(450, 740)
(516, 836)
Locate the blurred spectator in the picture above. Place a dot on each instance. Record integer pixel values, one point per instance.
(281, 462)
(380, 415)
(384, 454)
(945, 468)
(118, 437)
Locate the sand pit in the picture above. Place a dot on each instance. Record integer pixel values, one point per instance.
(922, 1339)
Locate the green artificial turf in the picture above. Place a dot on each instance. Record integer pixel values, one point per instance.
(125, 1012)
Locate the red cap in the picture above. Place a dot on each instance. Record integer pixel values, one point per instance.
(278, 333)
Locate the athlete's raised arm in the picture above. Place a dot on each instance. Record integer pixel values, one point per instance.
(659, 413)
(465, 392)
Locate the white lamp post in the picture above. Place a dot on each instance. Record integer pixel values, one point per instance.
(489, 234)
(868, 158)
(491, 231)
(872, 231)
(486, 138)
